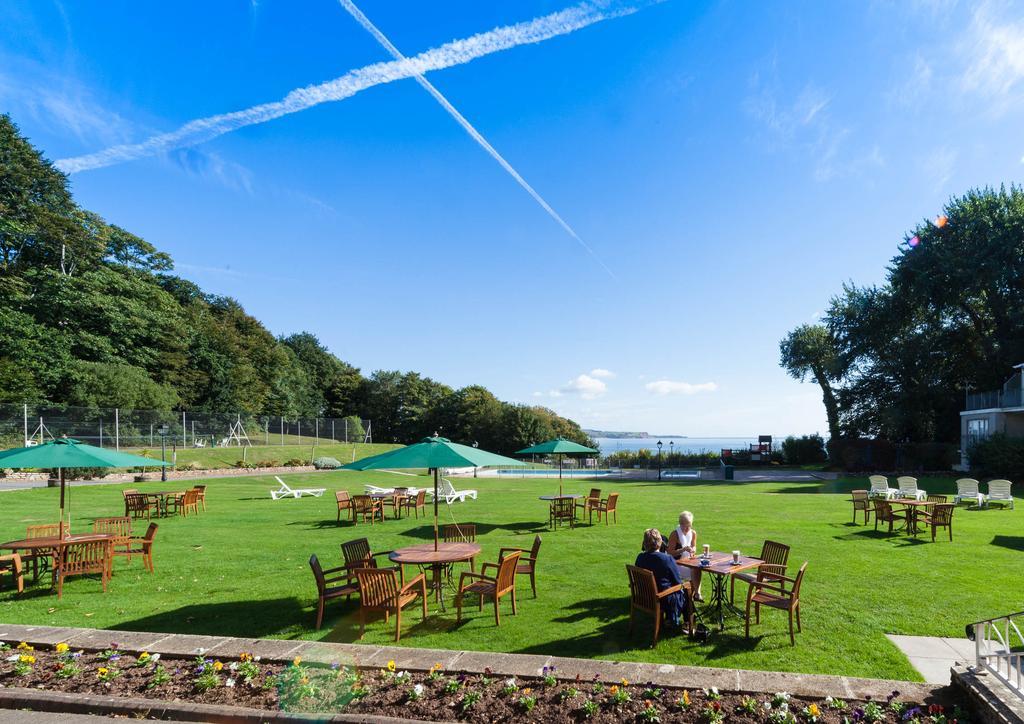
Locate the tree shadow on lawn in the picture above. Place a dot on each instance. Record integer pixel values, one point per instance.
(528, 527)
(1014, 542)
(248, 619)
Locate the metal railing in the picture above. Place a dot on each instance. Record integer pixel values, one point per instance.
(1011, 395)
(999, 649)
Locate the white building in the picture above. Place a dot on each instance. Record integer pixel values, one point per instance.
(996, 411)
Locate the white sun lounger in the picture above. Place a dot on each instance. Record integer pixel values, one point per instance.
(967, 490)
(999, 492)
(447, 492)
(374, 490)
(880, 487)
(285, 492)
(909, 489)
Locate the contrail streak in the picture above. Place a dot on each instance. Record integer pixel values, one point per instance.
(456, 52)
(395, 53)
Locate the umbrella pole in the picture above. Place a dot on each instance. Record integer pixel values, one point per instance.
(436, 473)
(559, 475)
(60, 519)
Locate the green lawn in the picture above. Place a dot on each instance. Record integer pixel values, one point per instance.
(241, 569)
(226, 457)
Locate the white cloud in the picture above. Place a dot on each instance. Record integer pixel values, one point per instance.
(993, 48)
(673, 387)
(602, 373)
(938, 167)
(586, 386)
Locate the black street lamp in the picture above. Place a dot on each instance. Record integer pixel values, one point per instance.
(671, 449)
(659, 460)
(163, 430)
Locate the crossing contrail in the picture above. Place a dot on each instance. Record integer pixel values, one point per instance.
(456, 52)
(395, 53)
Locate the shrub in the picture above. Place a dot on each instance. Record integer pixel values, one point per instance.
(804, 450)
(998, 456)
(270, 463)
(862, 454)
(81, 473)
(325, 463)
(243, 465)
(295, 463)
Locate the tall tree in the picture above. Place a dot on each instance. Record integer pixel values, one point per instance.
(810, 352)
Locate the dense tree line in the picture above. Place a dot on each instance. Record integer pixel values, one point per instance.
(92, 315)
(895, 360)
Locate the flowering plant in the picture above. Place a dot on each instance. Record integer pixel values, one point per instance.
(415, 693)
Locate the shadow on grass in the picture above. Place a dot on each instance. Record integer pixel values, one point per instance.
(1014, 542)
(252, 619)
(426, 532)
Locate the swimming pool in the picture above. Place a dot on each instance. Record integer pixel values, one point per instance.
(553, 473)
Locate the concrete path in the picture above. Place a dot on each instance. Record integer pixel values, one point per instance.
(933, 656)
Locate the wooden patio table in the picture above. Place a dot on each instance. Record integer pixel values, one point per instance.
(51, 544)
(398, 497)
(161, 497)
(721, 569)
(436, 560)
(912, 507)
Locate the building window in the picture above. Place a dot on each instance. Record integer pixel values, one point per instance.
(977, 430)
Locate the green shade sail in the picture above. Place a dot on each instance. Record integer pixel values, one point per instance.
(432, 453)
(558, 446)
(68, 453)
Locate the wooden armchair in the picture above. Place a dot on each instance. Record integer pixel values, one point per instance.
(562, 509)
(861, 503)
(775, 556)
(86, 557)
(645, 596)
(143, 546)
(459, 533)
(201, 495)
(607, 508)
(379, 590)
(356, 554)
(773, 593)
(416, 503)
(527, 563)
(938, 516)
(592, 499)
(138, 505)
(364, 505)
(41, 559)
(396, 501)
(344, 502)
(121, 529)
(325, 588)
(885, 514)
(12, 564)
(503, 583)
(189, 502)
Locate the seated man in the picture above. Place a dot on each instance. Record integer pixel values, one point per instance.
(666, 575)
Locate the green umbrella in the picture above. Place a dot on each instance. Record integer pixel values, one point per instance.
(68, 453)
(559, 446)
(432, 453)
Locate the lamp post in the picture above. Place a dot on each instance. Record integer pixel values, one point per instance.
(671, 451)
(659, 460)
(163, 430)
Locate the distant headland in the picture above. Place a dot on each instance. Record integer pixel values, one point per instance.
(628, 435)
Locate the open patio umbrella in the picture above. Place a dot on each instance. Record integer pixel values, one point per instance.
(432, 453)
(67, 453)
(559, 446)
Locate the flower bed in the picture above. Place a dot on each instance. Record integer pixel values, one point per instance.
(434, 695)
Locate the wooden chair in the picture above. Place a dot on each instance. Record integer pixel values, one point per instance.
(41, 559)
(933, 500)
(938, 516)
(189, 502)
(503, 583)
(527, 563)
(459, 533)
(357, 554)
(416, 503)
(592, 499)
(174, 504)
(562, 509)
(138, 505)
(325, 590)
(83, 558)
(606, 507)
(344, 502)
(861, 502)
(379, 590)
(12, 564)
(645, 596)
(364, 505)
(395, 501)
(143, 546)
(885, 514)
(121, 529)
(773, 593)
(775, 556)
(201, 490)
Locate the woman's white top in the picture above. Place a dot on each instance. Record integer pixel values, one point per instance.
(685, 539)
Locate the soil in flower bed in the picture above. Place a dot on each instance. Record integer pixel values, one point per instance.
(434, 696)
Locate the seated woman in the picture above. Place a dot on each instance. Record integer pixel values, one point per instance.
(666, 575)
(682, 543)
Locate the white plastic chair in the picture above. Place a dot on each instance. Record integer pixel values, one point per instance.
(447, 491)
(285, 492)
(999, 492)
(967, 489)
(880, 487)
(908, 488)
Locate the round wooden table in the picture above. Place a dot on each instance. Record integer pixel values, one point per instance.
(425, 555)
(559, 497)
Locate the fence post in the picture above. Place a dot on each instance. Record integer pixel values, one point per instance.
(346, 430)
(151, 434)
(26, 424)
(333, 438)
(282, 429)
(101, 432)
(117, 429)
(298, 429)
(317, 433)
(184, 433)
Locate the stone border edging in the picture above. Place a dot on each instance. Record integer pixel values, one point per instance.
(475, 662)
(990, 698)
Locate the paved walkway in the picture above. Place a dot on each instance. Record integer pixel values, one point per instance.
(933, 656)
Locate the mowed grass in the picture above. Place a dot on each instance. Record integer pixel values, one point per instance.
(226, 457)
(242, 569)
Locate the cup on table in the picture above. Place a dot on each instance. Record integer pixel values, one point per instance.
(707, 550)
(735, 556)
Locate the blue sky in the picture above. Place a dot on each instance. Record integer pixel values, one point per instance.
(733, 163)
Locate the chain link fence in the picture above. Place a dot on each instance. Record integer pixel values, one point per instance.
(120, 428)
